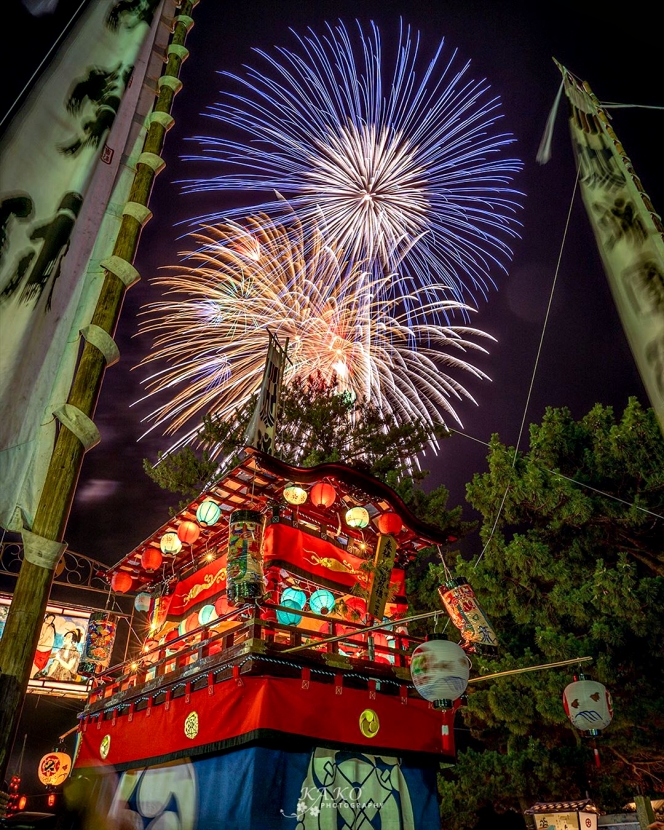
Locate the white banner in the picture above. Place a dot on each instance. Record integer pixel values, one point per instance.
(60, 161)
(629, 234)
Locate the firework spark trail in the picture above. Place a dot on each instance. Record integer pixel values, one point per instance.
(241, 280)
(401, 166)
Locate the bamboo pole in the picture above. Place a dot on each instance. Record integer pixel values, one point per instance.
(26, 614)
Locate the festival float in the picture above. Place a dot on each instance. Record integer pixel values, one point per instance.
(259, 695)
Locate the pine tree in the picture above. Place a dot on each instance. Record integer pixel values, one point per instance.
(573, 565)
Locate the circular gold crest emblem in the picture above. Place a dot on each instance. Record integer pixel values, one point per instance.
(369, 723)
(191, 725)
(105, 747)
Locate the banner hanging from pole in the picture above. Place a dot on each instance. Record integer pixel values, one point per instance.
(261, 429)
(629, 234)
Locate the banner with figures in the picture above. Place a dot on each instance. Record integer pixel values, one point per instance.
(60, 160)
(629, 234)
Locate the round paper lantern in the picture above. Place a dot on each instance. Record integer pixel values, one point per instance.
(208, 513)
(294, 595)
(191, 623)
(323, 495)
(294, 494)
(188, 532)
(588, 705)
(357, 517)
(151, 558)
(121, 582)
(173, 634)
(54, 768)
(206, 615)
(321, 602)
(170, 543)
(182, 628)
(221, 607)
(289, 619)
(390, 524)
(142, 602)
(440, 671)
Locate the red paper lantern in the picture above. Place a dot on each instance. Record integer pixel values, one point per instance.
(188, 532)
(121, 582)
(390, 523)
(323, 494)
(152, 559)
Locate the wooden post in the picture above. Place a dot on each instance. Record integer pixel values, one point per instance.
(43, 544)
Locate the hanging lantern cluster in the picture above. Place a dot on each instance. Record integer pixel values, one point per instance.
(294, 494)
(464, 610)
(440, 670)
(323, 495)
(208, 513)
(357, 517)
(588, 705)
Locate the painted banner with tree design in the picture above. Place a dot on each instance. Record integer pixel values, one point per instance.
(629, 234)
(64, 164)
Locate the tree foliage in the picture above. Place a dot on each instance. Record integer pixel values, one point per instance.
(573, 540)
(316, 425)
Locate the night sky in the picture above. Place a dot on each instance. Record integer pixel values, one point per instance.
(585, 358)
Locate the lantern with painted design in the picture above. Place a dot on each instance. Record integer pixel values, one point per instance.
(294, 494)
(588, 705)
(54, 768)
(142, 602)
(461, 604)
(440, 670)
(170, 544)
(357, 517)
(99, 642)
(244, 574)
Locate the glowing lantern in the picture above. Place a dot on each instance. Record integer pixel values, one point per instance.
(208, 513)
(54, 768)
(294, 595)
(170, 543)
(357, 517)
(151, 558)
(588, 705)
(188, 532)
(323, 495)
(440, 671)
(321, 602)
(295, 494)
(461, 604)
(142, 602)
(99, 642)
(390, 524)
(289, 619)
(182, 628)
(121, 582)
(206, 615)
(244, 569)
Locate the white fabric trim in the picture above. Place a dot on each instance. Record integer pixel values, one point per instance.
(41, 551)
(78, 422)
(103, 341)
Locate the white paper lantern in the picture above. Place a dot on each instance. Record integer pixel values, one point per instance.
(588, 705)
(295, 494)
(357, 517)
(440, 670)
(170, 543)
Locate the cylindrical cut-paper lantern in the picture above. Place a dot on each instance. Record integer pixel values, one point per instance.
(390, 524)
(357, 517)
(98, 647)
(440, 671)
(151, 559)
(323, 495)
(54, 768)
(121, 582)
(588, 705)
(188, 532)
(244, 569)
(208, 513)
(461, 604)
(142, 602)
(170, 543)
(294, 494)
